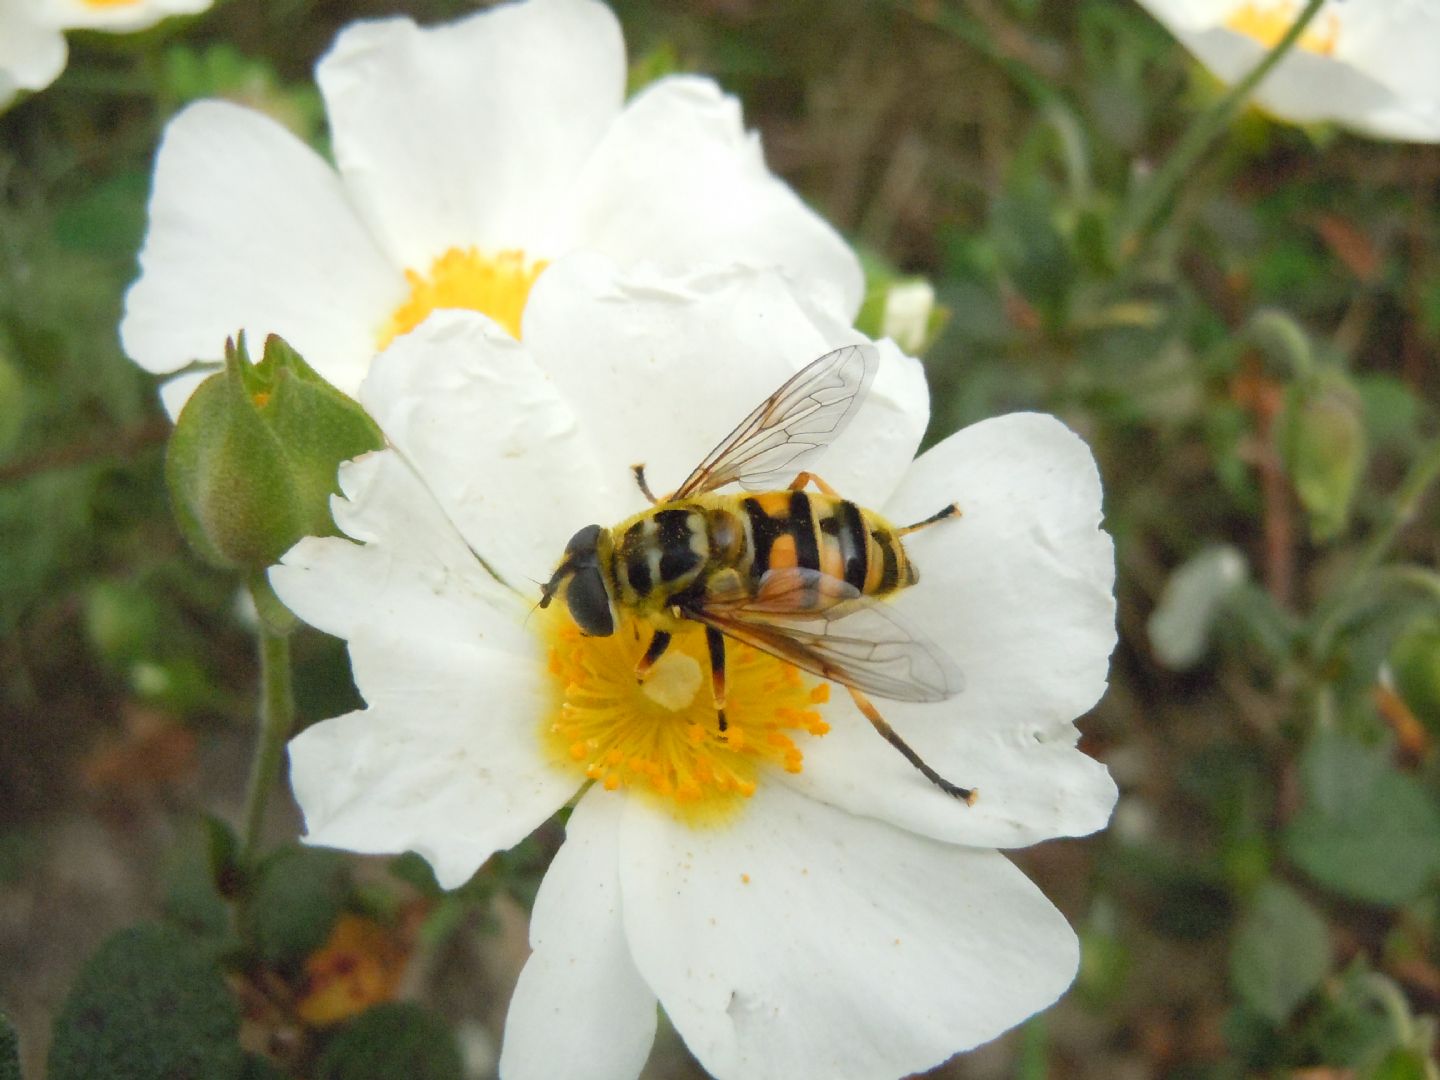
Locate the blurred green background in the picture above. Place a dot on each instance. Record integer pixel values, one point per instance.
(1257, 377)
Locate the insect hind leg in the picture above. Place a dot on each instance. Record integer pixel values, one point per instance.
(966, 795)
(952, 510)
(803, 478)
(716, 641)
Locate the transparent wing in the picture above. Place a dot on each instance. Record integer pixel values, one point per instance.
(791, 425)
(823, 625)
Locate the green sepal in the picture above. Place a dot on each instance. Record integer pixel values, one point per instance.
(252, 463)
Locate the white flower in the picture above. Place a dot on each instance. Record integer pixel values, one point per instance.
(32, 38)
(800, 901)
(469, 156)
(1370, 65)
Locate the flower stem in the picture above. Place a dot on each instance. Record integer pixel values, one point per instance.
(277, 718)
(1139, 214)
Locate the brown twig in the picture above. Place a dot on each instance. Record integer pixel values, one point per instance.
(123, 445)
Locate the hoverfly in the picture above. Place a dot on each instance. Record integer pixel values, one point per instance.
(797, 574)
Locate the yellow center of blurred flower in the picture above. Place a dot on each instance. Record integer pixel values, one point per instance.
(110, 3)
(359, 966)
(660, 738)
(495, 285)
(1268, 22)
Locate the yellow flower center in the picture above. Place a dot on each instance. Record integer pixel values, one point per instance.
(495, 285)
(1268, 22)
(110, 3)
(660, 738)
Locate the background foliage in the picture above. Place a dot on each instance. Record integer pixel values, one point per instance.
(1257, 375)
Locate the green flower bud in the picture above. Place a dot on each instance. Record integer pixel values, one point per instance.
(1322, 441)
(1415, 666)
(251, 464)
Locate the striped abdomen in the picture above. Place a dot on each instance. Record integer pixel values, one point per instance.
(663, 555)
(821, 532)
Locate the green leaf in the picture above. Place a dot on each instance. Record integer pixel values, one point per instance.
(1400, 1065)
(149, 1004)
(1280, 953)
(1365, 831)
(389, 1041)
(9, 1050)
(200, 874)
(298, 894)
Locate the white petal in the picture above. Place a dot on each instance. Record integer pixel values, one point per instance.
(32, 50)
(468, 134)
(660, 367)
(1304, 87)
(250, 229)
(678, 180)
(580, 1010)
(1189, 14)
(1017, 591)
(454, 788)
(446, 761)
(801, 941)
(412, 585)
(117, 18)
(495, 443)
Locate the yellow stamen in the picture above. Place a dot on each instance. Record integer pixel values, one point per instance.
(660, 737)
(110, 3)
(495, 285)
(1267, 23)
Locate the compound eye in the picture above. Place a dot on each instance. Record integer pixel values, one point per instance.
(589, 603)
(583, 542)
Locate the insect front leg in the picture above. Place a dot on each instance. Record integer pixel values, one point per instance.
(716, 641)
(659, 642)
(639, 471)
(872, 714)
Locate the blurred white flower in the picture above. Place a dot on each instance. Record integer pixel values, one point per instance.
(468, 157)
(32, 33)
(1370, 65)
(909, 308)
(796, 896)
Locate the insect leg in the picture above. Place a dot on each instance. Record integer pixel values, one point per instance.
(872, 714)
(639, 471)
(803, 478)
(716, 641)
(659, 642)
(940, 515)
